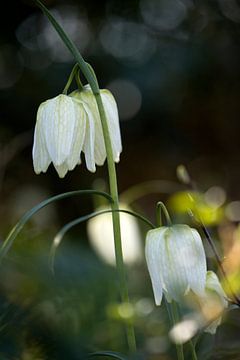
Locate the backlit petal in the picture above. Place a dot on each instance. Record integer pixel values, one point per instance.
(173, 267)
(197, 262)
(153, 256)
(111, 111)
(78, 137)
(87, 97)
(58, 124)
(41, 159)
(88, 146)
(62, 169)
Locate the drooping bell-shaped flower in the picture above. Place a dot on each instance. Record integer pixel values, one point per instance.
(87, 99)
(60, 134)
(67, 125)
(213, 303)
(176, 262)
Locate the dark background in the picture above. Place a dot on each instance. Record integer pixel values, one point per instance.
(173, 66)
(182, 57)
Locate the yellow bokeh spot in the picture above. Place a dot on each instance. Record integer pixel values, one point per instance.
(185, 201)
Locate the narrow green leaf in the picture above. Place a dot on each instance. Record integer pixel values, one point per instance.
(18, 227)
(58, 238)
(112, 354)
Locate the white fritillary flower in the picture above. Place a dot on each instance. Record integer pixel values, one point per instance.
(68, 125)
(87, 99)
(59, 135)
(176, 262)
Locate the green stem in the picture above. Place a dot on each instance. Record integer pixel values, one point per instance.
(175, 317)
(173, 313)
(5, 247)
(91, 78)
(78, 81)
(70, 79)
(161, 207)
(193, 351)
(59, 236)
(116, 219)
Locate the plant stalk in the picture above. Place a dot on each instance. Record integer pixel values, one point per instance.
(175, 317)
(116, 220)
(92, 80)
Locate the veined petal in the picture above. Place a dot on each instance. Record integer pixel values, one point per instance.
(99, 145)
(111, 111)
(88, 146)
(197, 261)
(153, 255)
(189, 261)
(58, 124)
(87, 97)
(173, 266)
(41, 159)
(78, 137)
(62, 169)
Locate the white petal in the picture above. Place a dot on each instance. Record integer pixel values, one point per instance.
(172, 265)
(213, 284)
(197, 265)
(189, 261)
(62, 169)
(111, 111)
(79, 136)
(88, 98)
(99, 144)
(153, 256)
(41, 159)
(58, 124)
(88, 146)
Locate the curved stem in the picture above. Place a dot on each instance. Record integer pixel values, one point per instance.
(78, 80)
(70, 45)
(18, 227)
(91, 78)
(70, 79)
(193, 351)
(116, 219)
(107, 354)
(59, 236)
(161, 207)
